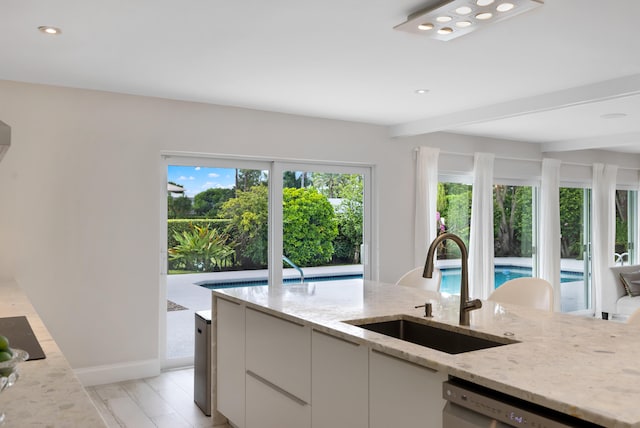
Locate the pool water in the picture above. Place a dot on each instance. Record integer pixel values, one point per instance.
(451, 277)
(234, 284)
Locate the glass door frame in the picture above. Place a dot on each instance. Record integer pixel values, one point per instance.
(275, 168)
(586, 230)
(276, 203)
(180, 159)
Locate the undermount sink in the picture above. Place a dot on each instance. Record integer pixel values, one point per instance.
(432, 336)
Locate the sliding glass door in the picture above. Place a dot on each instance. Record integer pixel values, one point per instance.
(575, 250)
(239, 223)
(217, 230)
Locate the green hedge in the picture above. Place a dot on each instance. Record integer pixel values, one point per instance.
(181, 225)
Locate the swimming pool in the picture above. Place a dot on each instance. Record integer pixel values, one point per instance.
(234, 284)
(451, 277)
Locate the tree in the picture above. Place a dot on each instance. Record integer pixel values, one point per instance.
(248, 215)
(207, 204)
(512, 220)
(296, 179)
(248, 178)
(571, 202)
(309, 227)
(350, 218)
(329, 184)
(454, 206)
(622, 223)
(524, 221)
(179, 207)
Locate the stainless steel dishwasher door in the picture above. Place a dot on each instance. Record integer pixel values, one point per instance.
(470, 405)
(454, 416)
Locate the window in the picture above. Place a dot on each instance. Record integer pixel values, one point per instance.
(513, 232)
(454, 216)
(323, 218)
(575, 254)
(232, 215)
(626, 227)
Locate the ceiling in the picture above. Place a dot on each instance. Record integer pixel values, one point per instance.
(546, 76)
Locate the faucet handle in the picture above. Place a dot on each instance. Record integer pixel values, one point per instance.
(427, 309)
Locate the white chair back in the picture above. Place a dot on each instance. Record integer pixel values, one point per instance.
(535, 293)
(634, 318)
(414, 278)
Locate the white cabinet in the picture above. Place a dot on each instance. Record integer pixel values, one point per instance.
(402, 394)
(269, 406)
(276, 373)
(339, 383)
(278, 367)
(280, 352)
(230, 351)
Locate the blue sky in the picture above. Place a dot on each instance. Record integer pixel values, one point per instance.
(196, 179)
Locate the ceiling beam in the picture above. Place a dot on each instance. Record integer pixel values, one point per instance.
(601, 91)
(602, 142)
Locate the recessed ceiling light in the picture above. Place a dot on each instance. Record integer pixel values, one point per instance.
(50, 30)
(484, 2)
(443, 19)
(613, 115)
(463, 10)
(463, 24)
(425, 27)
(445, 30)
(505, 7)
(421, 91)
(484, 16)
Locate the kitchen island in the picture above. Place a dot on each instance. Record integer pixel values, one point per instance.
(48, 393)
(584, 367)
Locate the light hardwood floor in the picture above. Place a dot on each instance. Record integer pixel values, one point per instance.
(161, 401)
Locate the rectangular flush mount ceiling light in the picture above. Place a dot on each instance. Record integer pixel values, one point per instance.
(455, 18)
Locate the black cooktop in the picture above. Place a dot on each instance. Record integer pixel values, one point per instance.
(21, 336)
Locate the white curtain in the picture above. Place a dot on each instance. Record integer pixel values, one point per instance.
(603, 221)
(549, 239)
(481, 278)
(426, 201)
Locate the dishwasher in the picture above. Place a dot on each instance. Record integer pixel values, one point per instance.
(470, 405)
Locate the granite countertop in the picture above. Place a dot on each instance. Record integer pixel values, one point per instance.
(584, 367)
(48, 393)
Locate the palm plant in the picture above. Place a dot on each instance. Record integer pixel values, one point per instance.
(201, 249)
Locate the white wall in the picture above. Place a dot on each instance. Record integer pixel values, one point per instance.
(80, 201)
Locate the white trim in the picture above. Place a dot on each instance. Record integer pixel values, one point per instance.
(177, 158)
(111, 373)
(162, 280)
(369, 257)
(275, 244)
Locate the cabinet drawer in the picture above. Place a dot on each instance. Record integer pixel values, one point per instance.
(403, 394)
(270, 407)
(230, 361)
(280, 352)
(339, 383)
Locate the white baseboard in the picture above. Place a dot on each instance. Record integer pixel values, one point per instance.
(99, 375)
(177, 363)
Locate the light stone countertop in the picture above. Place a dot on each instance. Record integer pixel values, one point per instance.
(48, 393)
(584, 367)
